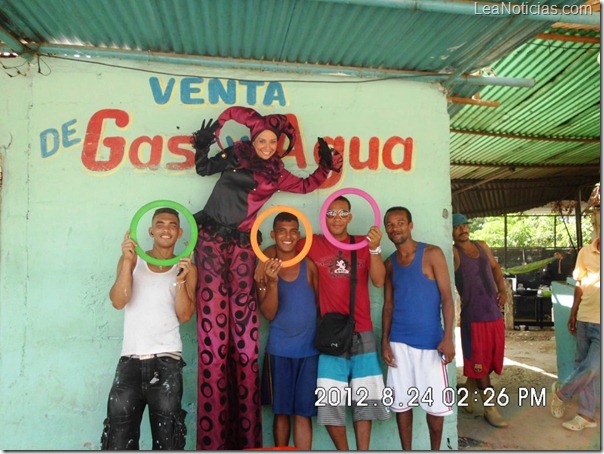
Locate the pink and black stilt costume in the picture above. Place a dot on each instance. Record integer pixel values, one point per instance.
(228, 401)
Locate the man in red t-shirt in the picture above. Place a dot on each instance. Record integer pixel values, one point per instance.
(365, 392)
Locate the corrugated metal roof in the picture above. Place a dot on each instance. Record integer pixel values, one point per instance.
(485, 199)
(554, 123)
(361, 34)
(431, 40)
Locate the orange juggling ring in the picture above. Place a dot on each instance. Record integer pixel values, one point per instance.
(277, 209)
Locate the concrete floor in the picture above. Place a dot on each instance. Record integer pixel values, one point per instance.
(530, 364)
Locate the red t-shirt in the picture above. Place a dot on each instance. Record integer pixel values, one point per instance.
(334, 279)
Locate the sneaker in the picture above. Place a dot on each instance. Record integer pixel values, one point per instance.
(578, 423)
(556, 405)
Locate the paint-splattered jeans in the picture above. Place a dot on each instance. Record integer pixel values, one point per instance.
(156, 382)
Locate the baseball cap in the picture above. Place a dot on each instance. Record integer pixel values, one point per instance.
(459, 219)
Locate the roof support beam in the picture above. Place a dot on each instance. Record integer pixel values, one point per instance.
(74, 52)
(494, 176)
(517, 136)
(476, 8)
(529, 166)
(15, 45)
(568, 38)
(473, 102)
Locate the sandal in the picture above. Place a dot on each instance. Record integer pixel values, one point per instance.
(556, 405)
(578, 423)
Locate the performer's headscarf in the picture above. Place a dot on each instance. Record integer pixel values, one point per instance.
(279, 124)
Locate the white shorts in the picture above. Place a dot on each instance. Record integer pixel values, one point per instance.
(419, 380)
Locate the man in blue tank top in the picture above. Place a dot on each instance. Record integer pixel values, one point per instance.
(288, 301)
(479, 281)
(415, 346)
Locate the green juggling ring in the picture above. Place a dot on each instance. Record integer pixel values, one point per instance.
(167, 204)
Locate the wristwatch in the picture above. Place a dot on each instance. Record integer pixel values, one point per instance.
(376, 251)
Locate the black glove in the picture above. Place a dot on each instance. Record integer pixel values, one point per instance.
(326, 158)
(324, 153)
(204, 137)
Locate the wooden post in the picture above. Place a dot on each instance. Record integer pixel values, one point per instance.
(457, 308)
(508, 313)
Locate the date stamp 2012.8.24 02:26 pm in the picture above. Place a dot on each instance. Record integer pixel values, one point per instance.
(348, 396)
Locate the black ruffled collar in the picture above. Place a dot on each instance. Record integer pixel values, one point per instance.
(248, 159)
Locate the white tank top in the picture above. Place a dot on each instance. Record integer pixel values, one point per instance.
(150, 321)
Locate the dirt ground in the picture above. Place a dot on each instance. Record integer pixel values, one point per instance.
(530, 363)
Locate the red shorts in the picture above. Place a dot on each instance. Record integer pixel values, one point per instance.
(487, 348)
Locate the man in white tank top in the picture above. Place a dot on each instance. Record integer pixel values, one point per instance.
(155, 300)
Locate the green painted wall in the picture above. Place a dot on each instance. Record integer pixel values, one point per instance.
(566, 344)
(66, 203)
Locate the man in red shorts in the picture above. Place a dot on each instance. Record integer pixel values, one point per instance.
(479, 281)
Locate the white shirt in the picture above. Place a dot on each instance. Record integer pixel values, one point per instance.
(150, 321)
(587, 272)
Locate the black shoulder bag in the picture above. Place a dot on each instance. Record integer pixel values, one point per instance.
(335, 330)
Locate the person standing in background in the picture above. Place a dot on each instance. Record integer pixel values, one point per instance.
(584, 323)
(479, 281)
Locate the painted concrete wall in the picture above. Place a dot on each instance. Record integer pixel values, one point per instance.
(84, 145)
(566, 343)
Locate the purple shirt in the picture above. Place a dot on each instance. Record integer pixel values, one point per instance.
(476, 286)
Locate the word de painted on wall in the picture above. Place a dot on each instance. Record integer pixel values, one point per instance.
(51, 139)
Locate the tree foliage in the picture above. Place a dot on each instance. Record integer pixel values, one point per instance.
(531, 231)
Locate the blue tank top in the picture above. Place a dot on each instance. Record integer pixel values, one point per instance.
(477, 289)
(292, 331)
(417, 306)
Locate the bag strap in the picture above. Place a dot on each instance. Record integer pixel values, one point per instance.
(353, 277)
